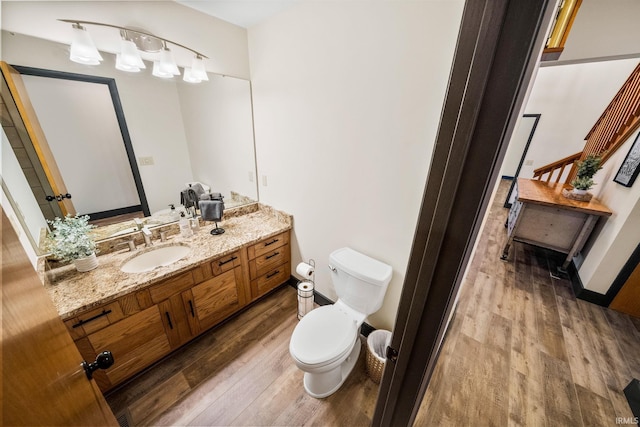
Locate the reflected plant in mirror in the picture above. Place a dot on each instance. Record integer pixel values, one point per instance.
(70, 238)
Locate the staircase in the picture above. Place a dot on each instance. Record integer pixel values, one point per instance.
(616, 124)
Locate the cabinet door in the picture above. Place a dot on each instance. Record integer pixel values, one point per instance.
(218, 297)
(175, 320)
(136, 342)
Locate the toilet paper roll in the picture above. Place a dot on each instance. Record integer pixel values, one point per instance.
(305, 298)
(305, 270)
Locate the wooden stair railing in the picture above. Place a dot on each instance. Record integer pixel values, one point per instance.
(558, 166)
(614, 126)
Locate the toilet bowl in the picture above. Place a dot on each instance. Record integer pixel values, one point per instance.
(325, 345)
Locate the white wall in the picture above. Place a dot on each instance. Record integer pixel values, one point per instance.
(347, 100)
(620, 234)
(221, 147)
(570, 98)
(604, 28)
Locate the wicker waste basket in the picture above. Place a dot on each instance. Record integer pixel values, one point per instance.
(377, 343)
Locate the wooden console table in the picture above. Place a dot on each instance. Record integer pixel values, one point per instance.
(542, 216)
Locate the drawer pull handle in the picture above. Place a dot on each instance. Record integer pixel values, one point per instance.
(272, 255)
(97, 316)
(270, 275)
(233, 258)
(193, 314)
(169, 319)
(271, 242)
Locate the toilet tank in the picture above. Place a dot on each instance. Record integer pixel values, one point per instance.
(359, 280)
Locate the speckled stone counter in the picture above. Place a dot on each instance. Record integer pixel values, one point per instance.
(73, 292)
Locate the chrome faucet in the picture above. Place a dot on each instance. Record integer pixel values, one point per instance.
(131, 242)
(146, 233)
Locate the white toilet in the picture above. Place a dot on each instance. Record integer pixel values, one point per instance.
(325, 344)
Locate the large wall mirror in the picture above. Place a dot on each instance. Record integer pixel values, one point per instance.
(176, 132)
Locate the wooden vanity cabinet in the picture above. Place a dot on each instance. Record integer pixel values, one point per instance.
(142, 327)
(269, 264)
(130, 327)
(199, 299)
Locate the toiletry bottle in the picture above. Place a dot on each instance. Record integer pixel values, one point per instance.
(185, 228)
(195, 224)
(173, 213)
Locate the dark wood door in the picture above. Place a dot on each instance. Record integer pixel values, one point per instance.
(43, 380)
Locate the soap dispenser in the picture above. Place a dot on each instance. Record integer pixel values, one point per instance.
(185, 227)
(173, 213)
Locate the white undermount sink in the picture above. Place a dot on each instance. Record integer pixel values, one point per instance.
(158, 257)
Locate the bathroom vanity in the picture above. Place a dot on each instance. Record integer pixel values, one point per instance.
(141, 317)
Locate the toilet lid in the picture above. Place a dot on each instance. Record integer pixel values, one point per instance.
(322, 335)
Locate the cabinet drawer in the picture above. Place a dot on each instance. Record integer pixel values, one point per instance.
(217, 298)
(267, 245)
(94, 320)
(264, 263)
(225, 263)
(174, 285)
(270, 280)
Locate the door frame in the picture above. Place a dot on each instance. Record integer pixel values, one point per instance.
(524, 154)
(122, 123)
(499, 45)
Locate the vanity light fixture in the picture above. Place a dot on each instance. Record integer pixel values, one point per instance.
(83, 51)
(134, 41)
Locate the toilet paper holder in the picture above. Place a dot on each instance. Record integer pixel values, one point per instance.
(312, 263)
(306, 292)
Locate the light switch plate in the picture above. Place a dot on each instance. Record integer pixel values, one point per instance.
(145, 161)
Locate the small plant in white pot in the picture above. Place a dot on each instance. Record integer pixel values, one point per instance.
(69, 240)
(587, 168)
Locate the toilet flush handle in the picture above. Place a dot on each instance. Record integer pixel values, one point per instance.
(332, 268)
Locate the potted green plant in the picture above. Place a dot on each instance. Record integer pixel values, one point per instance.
(587, 168)
(70, 240)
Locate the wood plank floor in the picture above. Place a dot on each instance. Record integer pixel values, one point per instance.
(242, 374)
(521, 351)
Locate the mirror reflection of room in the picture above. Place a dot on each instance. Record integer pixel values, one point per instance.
(178, 133)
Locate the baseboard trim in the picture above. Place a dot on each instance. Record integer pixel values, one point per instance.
(586, 294)
(632, 392)
(320, 299)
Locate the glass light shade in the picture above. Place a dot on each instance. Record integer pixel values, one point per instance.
(129, 58)
(120, 65)
(167, 63)
(157, 71)
(189, 76)
(197, 69)
(83, 51)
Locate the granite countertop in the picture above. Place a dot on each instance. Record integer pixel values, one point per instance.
(73, 292)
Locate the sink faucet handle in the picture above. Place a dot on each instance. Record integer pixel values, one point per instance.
(146, 233)
(131, 242)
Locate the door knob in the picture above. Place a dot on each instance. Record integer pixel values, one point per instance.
(59, 197)
(103, 361)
